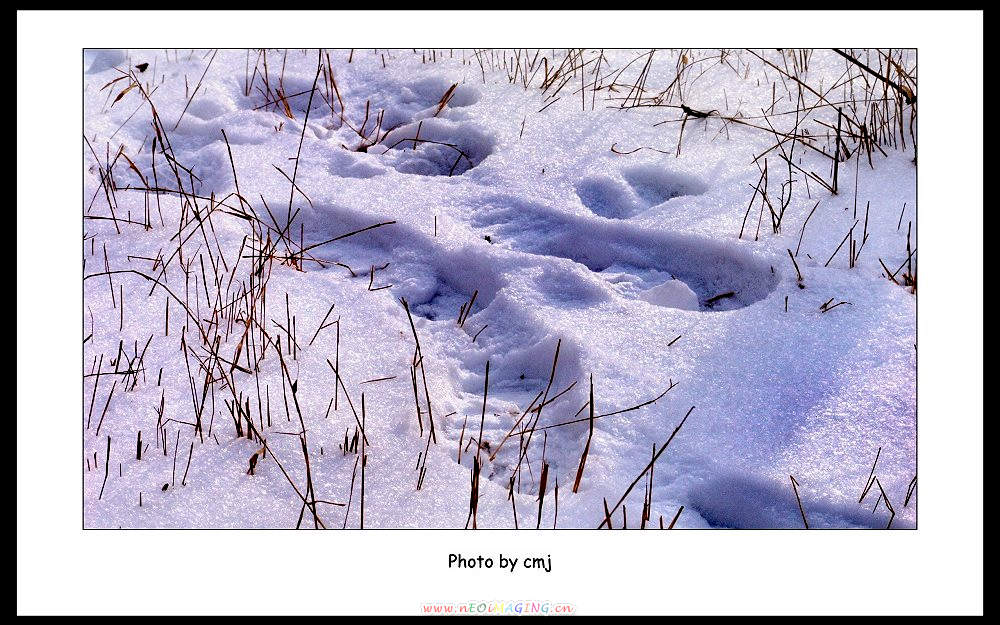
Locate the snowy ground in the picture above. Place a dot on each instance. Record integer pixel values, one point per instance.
(576, 222)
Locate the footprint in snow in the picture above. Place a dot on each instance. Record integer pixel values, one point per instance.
(423, 131)
(635, 189)
(435, 147)
(664, 268)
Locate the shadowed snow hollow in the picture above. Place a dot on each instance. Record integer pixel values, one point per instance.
(720, 275)
(435, 147)
(636, 189)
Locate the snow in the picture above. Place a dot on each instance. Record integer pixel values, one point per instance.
(628, 260)
(674, 294)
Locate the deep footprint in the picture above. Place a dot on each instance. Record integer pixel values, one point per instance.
(435, 147)
(638, 262)
(640, 187)
(739, 502)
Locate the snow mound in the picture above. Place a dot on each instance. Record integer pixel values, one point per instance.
(672, 294)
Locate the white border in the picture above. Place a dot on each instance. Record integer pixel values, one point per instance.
(936, 569)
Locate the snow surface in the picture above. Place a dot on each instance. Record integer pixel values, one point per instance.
(612, 256)
(672, 293)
